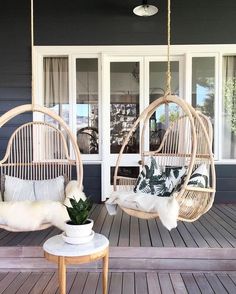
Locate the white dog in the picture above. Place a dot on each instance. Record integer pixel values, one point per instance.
(29, 215)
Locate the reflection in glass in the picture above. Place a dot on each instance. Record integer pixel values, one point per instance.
(229, 108)
(203, 85)
(56, 87)
(161, 118)
(87, 105)
(124, 105)
(125, 171)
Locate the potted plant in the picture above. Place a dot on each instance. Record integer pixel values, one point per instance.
(79, 225)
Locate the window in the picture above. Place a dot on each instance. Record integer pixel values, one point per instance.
(101, 90)
(229, 108)
(87, 105)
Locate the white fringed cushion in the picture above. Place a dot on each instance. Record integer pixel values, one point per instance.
(20, 190)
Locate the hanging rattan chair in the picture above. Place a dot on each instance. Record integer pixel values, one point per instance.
(187, 142)
(39, 150)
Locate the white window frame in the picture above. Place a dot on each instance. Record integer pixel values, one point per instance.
(106, 53)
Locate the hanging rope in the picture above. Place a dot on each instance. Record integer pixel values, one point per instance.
(32, 52)
(168, 74)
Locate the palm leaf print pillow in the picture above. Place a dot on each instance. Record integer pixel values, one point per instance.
(200, 177)
(159, 181)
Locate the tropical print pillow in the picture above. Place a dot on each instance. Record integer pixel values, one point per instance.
(200, 177)
(159, 181)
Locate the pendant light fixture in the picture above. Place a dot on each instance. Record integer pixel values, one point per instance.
(145, 9)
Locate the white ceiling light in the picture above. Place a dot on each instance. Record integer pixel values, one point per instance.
(145, 9)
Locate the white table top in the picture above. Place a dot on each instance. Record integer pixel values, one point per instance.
(57, 246)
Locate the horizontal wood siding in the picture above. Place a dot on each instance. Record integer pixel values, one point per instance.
(113, 23)
(92, 181)
(15, 63)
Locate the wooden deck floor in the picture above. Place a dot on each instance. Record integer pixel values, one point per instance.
(119, 283)
(216, 229)
(208, 244)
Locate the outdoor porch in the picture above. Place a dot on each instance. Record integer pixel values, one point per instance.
(197, 257)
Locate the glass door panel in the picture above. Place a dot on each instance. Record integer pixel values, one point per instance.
(124, 104)
(87, 105)
(203, 85)
(160, 119)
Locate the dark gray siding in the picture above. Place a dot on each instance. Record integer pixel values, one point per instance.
(15, 62)
(111, 22)
(103, 22)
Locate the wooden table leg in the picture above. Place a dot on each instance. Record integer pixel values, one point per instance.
(105, 271)
(62, 274)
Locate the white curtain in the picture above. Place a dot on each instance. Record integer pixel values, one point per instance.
(56, 90)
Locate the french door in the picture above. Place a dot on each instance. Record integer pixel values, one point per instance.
(131, 84)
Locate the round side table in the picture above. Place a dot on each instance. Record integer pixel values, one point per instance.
(62, 253)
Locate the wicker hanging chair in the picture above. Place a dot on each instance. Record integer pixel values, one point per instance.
(187, 142)
(39, 150)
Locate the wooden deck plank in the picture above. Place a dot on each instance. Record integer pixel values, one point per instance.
(128, 286)
(145, 239)
(17, 239)
(165, 283)
(115, 229)
(124, 230)
(116, 283)
(29, 283)
(16, 283)
(91, 283)
(230, 228)
(70, 277)
(100, 220)
(226, 209)
(134, 232)
(190, 283)
(219, 228)
(177, 239)
(203, 284)
(227, 283)
(154, 233)
(79, 283)
(224, 216)
(153, 283)
(41, 283)
(215, 233)
(165, 235)
(53, 232)
(52, 285)
(188, 239)
(7, 280)
(233, 277)
(178, 283)
(215, 283)
(106, 228)
(201, 242)
(211, 241)
(141, 283)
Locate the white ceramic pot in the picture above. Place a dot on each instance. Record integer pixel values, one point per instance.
(76, 231)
